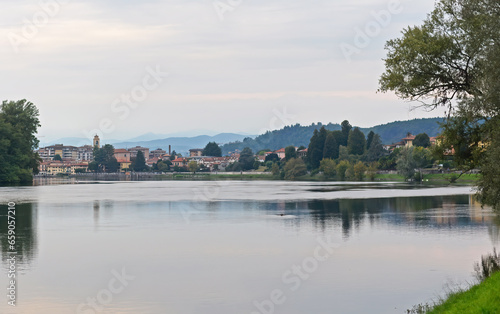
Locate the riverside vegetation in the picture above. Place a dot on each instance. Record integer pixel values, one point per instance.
(453, 60)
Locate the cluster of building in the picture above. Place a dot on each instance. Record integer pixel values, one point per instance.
(74, 158)
(408, 142)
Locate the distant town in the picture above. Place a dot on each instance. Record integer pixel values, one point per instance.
(64, 159)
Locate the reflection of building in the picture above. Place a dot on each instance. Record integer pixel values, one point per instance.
(477, 212)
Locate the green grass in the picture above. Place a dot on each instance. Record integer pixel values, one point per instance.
(481, 299)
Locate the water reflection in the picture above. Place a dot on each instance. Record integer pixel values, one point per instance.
(415, 212)
(26, 234)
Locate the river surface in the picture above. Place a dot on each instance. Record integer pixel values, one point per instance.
(239, 246)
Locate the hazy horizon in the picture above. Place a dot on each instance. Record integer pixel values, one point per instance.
(247, 67)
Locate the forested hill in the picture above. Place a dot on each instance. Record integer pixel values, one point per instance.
(299, 135)
(393, 132)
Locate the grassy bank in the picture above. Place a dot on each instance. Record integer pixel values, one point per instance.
(482, 299)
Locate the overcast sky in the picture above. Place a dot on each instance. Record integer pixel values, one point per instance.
(233, 65)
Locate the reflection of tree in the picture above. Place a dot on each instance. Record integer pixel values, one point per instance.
(494, 231)
(398, 210)
(26, 233)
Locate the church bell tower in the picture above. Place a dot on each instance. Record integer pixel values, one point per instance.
(97, 142)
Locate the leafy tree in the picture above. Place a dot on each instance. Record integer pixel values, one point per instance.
(316, 146)
(139, 164)
(331, 148)
(328, 167)
(376, 150)
(359, 171)
(105, 158)
(247, 159)
(272, 157)
(163, 165)
(453, 60)
(290, 153)
(173, 155)
(263, 152)
(212, 149)
(356, 143)
(57, 157)
(112, 165)
(343, 153)
(372, 171)
(349, 173)
(422, 140)
(390, 162)
(406, 164)
(19, 125)
(489, 182)
(295, 168)
(342, 168)
(369, 139)
(346, 130)
(275, 169)
(235, 166)
(93, 166)
(193, 166)
(314, 153)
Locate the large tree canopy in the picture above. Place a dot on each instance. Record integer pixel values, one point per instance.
(453, 60)
(212, 149)
(18, 127)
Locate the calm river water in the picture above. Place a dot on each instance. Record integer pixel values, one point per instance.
(239, 247)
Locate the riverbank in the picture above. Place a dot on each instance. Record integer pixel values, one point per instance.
(467, 179)
(481, 298)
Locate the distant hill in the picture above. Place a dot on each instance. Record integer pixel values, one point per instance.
(393, 132)
(299, 135)
(183, 144)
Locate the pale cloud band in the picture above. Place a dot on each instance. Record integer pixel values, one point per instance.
(223, 75)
